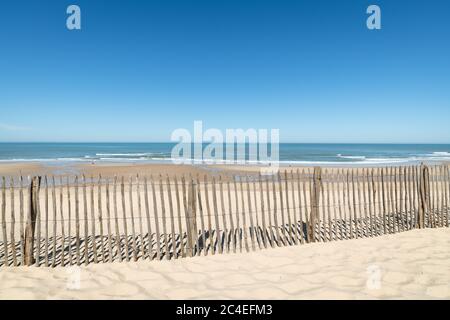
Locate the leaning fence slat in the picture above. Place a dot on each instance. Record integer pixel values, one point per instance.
(93, 237)
(263, 219)
(69, 217)
(100, 218)
(13, 222)
(124, 218)
(224, 214)
(257, 227)
(22, 233)
(61, 212)
(287, 235)
(163, 219)
(116, 221)
(86, 227)
(232, 227)
(288, 209)
(308, 226)
(133, 226)
(108, 223)
(54, 221)
(5, 236)
(147, 214)
(270, 232)
(362, 198)
(216, 216)
(209, 215)
(77, 222)
(46, 223)
(342, 205)
(202, 218)
(279, 241)
(155, 213)
(371, 199)
(244, 222)
(238, 233)
(250, 213)
(141, 225)
(447, 194)
(172, 218)
(300, 208)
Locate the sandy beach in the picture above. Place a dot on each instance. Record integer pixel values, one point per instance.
(410, 265)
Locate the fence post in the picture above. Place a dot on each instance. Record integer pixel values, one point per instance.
(424, 193)
(31, 221)
(315, 200)
(191, 221)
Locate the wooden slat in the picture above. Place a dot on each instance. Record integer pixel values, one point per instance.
(124, 218)
(340, 204)
(287, 235)
(209, 215)
(250, 214)
(372, 200)
(322, 207)
(216, 216)
(116, 221)
(189, 244)
(275, 215)
(156, 216)
(232, 226)
(69, 209)
(108, 223)
(86, 227)
(224, 213)
(447, 195)
(327, 206)
(21, 214)
(93, 236)
(77, 222)
(362, 195)
(441, 190)
(61, 212)
(264, 235)
(140, 214)
(46, 223)
(172, 217)
(288, 210)
(163, 219)
(300, 207)
(13, 222)
(5, 236)
(31, 221)
(100, 219)
(355, 204)
(258, 234)
(244, 222)
(147, 214)
(202, 218)
(54, 222)
(238, 213)
(133, 224)
(271, 234)
(308, 226)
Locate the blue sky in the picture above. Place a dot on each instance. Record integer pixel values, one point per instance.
(140, 69)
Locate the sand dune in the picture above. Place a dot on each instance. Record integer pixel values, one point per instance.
(411, 265)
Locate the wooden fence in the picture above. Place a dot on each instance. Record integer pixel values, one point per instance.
(59, 221)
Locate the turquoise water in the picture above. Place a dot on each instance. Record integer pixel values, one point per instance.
(290, 153)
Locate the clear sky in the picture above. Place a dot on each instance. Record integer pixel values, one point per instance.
(140, 69)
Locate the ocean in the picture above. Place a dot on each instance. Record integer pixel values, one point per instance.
(289, 153)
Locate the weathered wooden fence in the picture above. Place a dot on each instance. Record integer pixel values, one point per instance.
(59, 221)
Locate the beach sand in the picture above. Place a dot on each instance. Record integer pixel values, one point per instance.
(409, 265)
